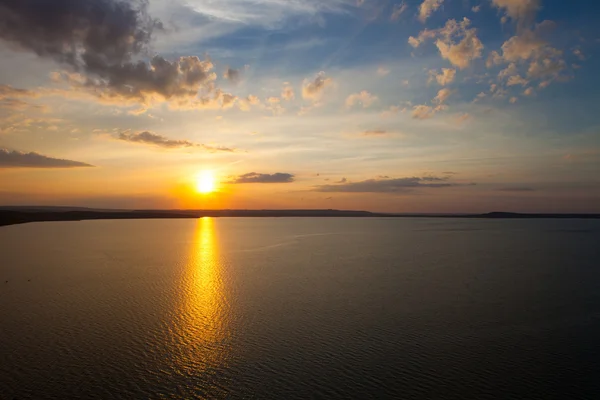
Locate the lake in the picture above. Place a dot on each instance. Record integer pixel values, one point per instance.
(295, 308)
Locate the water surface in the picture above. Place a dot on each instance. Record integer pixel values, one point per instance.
(288, 308)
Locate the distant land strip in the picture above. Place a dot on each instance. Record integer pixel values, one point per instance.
(21, 215)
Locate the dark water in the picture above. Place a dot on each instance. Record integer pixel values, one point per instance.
(301, 308)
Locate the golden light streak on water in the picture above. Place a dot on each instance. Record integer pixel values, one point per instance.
(203, 328)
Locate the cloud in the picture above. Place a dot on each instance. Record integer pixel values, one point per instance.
(103, 45)
(17, 159)
(313, 89)
(266, 13)
(462, 118)
(517, 80)
(246, 103)
(516, 189)
(78, 32)
(274, 105)
(494, 59)
(529, 53)
(424, 35)
(382, 71)
(288, 93)
(456, 42)
(446, 77)
(398, 185)
(428, 7)
(232, 75)
(509, 71)
(476, 9)
(398, 10)
(10, 98)
(520, 11)
(423, 111)
(443, 95)
(363, 98)
(8, 92)
(187, 82)
(528, 44)
(460, 54)
(253, 177)
(154, 139)
(579, 54)
(546, 67)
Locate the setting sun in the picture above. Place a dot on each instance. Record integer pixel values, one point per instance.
(205, 182)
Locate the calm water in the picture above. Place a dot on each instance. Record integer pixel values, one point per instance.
(301, 308)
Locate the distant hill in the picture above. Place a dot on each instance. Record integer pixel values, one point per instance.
(54, 208)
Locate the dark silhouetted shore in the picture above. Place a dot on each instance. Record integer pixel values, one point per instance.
(20, 215)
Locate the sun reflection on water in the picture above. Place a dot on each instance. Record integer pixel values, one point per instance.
(204, 307)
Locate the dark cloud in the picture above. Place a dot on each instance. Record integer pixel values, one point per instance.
(253, 177)
(155, 139)
(386, 185)
(102, 43)
(17, 159)
(232, 75)
(76, 32)
(430, 178)
(517, 189)
(183, 78)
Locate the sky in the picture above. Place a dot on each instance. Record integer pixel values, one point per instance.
(395, 106)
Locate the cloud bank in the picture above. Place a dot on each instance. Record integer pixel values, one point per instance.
(102, 44)
(254, 177)
(154, 139)
(398, 185)
(17, 159)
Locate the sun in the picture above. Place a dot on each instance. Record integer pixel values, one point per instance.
(205, 182)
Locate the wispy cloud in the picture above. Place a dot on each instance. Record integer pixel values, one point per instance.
(254, 177)
(398, 185)
(398, 10)
(154, 139)
(17, 159)
(516, 189)
(11, 98)
(266, 12)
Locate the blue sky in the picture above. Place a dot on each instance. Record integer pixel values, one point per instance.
(414, 106)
